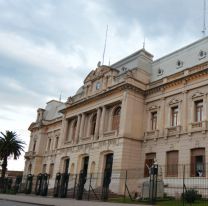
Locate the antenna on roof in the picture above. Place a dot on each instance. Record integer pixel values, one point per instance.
(204, 20)
(60, 96)
(144, 43)
(105, 44)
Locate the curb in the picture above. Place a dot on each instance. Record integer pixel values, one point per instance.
(30, 203)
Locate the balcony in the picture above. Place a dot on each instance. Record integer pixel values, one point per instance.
(29, 154)
(112, 133)
(198, 126)
(170, 131)
(152, 134)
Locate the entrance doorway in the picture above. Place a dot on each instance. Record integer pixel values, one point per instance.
(66, 165)
(82, 177)
(107, 175)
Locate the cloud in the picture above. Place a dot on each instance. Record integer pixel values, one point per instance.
(48, 47)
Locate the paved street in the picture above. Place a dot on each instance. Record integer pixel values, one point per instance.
(11, 203)
(30, 200)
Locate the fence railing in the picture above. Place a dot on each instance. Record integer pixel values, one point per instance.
(170, 184)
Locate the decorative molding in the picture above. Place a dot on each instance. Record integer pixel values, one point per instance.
(198, 94)
(174, 101)
(154, 107)
(98, 73)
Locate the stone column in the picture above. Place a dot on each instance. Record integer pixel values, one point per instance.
(64, 129)
(102, 122)
(184, 112)
(122, 128)
(96, 135)
(81, 132)
(162, 123)
(205, 108)
(77, 130)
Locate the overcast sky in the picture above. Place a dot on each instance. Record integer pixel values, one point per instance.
(47, 47)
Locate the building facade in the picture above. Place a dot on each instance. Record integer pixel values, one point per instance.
(126, 116)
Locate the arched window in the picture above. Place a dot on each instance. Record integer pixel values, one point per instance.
(93, 124)
(74, 128)
(116, 118)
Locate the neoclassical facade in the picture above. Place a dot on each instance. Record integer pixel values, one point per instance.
(128, 114)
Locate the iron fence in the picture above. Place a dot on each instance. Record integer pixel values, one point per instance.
(165, 185)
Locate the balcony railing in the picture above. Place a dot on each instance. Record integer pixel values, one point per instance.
(152, 134)
(174, 130)
(110, 133)
(30, 154)
(198, 126)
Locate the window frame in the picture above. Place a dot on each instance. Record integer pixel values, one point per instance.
(199, 110)
(172, 169)
(116, 115)
(154, 115)
(174, 116)
(93, 124)
(197, 152)
(149, 160)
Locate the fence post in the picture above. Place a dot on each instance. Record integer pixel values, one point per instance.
(183, 184)
(124, 197)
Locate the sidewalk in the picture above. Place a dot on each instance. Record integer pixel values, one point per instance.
(49, 201)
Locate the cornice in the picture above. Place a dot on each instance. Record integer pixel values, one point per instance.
(178, 78)
(43, 123)
(119, 87)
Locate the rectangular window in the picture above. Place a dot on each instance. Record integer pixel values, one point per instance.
(154, 120)
(172, 164)
(174, 116)
(198, 110)
(149, 161)
(198, 162)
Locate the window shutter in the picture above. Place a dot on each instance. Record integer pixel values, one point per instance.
(193, 166)
(172, 164)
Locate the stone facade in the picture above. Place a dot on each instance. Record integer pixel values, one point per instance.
(161, 106)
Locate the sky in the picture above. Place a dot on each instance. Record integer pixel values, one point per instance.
(47, 47)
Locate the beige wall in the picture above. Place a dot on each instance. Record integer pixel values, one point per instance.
(135, 137)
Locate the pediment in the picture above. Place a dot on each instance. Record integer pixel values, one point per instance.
(98, 72)
(174, 101)
(154, 107)
(197, 94)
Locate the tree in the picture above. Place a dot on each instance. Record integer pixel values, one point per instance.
(10, 145)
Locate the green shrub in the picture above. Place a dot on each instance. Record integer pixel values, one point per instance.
(191, 196)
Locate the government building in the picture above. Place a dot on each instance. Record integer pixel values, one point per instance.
(129, 115)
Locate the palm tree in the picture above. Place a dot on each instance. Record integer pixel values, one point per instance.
(10, 145)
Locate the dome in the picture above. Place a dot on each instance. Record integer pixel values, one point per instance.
(80, 90)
